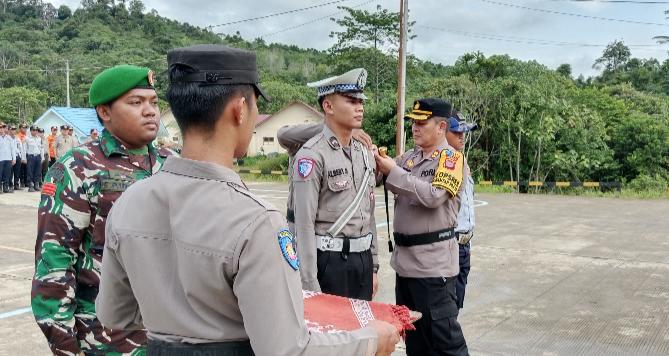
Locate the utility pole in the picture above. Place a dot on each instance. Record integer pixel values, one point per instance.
(67, 81)
(401, 78)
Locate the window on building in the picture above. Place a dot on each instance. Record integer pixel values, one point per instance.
(267, 140)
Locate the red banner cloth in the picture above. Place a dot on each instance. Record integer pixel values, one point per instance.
(326, 313)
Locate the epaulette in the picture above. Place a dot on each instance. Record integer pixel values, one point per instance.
(243, 190)
(312, 141)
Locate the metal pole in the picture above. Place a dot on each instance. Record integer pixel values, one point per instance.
(67, 81)
(401, 78)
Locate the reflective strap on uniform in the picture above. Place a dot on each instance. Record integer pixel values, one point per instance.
(344, 218)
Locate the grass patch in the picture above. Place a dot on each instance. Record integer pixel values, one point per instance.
(626, 193)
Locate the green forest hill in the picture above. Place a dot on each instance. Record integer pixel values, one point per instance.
(537, 123)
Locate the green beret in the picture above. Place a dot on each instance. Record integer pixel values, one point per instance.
(116, 81)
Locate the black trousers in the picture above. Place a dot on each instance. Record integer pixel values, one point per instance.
(34, 170)
(45, 167)
(347, 277)
(461, 281)
(24, 172)
(5, 173)
(438, 331)
(16, 172)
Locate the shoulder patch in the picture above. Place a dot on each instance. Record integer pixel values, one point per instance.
(287, 245)
(305, 166)
(312, 141)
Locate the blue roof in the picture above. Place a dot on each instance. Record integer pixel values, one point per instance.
(83, 119)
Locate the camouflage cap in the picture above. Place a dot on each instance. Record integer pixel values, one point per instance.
(116, 81)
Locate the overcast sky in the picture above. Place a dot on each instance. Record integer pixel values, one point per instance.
(471, 25)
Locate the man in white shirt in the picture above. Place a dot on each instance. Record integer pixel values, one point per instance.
(7, 157)
(464, 230)
(33, 144)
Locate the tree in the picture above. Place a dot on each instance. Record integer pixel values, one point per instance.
(64, 12)
(564, 69)
(136, 8)
(370, 38)
(21, 104)
(614, 57)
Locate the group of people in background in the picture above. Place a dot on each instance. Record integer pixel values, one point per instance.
(26, 154)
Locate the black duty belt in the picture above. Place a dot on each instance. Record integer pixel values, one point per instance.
(232, 348)
(423, 239)
(290, 216)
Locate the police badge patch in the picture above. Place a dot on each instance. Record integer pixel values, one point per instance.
(305, 166)
(287, 245)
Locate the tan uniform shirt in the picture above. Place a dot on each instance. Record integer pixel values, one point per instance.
(422, 208)
(194, 257)
(322, 195)
(64, 144)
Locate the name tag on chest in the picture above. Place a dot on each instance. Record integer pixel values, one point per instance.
(117, 181)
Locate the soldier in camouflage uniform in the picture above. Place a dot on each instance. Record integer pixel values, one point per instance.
(78, 193)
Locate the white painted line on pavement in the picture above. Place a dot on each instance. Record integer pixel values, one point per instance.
(478, 203)
(15, 312)
(16, 249)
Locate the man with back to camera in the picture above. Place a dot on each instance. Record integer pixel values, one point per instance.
(427, 182)
(205, 265)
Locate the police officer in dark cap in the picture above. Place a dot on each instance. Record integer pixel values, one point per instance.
(427, 183)
(207, 267)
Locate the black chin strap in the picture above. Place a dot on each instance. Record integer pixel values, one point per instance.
(385, 197)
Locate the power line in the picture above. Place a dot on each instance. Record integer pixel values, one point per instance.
(277, 14)
(526, 40)
(573, 14)
(314, 20)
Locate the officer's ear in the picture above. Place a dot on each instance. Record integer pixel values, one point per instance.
(327, 105)
(442, 125)
(104, 113)
(240, 109)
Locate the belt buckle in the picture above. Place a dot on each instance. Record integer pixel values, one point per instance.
(329, 242)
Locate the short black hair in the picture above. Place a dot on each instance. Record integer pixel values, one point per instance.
(93, 130)
(197, 105)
